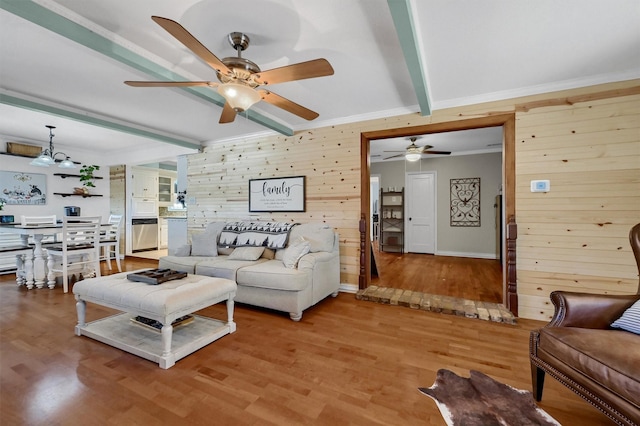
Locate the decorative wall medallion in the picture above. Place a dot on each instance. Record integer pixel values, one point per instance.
(465, 202)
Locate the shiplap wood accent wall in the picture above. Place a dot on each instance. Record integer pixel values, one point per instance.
(586, 141)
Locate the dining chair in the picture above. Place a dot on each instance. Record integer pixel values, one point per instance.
(40, 221)
(110, 241)
(80, 246)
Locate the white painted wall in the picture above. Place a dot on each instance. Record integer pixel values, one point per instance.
(93, 206)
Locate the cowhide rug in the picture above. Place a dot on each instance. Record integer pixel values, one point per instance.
(481, 401)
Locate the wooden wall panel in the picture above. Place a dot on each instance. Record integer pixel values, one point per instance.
(585, 140)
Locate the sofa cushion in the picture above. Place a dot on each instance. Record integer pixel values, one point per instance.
(246, 253)
(273, 275)
(222, 267)
(630, 319)
(608, 357)
(320, 236)
(180, 263)
(294, 252)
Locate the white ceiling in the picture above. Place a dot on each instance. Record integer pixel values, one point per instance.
(471, 52)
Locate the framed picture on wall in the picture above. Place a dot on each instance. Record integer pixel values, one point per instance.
(23, 188)
(285, 194)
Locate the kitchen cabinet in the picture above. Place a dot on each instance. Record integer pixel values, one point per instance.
(163, 233)
(177, 232)
(165, 191)
(145, 183)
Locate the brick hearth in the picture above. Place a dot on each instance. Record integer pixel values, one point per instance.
(434, 303)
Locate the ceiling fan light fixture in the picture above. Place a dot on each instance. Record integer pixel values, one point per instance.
(412, 156)
(239, 96)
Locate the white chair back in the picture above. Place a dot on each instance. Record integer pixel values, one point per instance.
(38, 220)
(80, 239)
(110, 241)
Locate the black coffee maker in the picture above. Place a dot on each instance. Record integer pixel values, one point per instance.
(72, 211)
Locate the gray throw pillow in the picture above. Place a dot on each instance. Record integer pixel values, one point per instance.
(204, 244)
(182, 251)
(246, 253)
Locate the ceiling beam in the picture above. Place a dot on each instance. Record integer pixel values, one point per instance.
(405, 27)
(85, 117)
(65, 27)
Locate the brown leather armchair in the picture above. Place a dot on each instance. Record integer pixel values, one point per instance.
(581, 350)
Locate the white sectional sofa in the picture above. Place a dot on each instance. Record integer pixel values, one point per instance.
(289, 279)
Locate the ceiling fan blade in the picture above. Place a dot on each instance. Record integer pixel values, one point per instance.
(310, 69)
(185, 37)
(170, 83)
(288, 105)
(394, 156)
(437, 152)
(228, 114)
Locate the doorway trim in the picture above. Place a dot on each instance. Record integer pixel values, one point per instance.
(508, 123)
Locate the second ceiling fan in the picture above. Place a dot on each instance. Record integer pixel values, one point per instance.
(239, 78)
(413, 152)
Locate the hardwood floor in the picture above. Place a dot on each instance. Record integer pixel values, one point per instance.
(347, 362)
(466, 278)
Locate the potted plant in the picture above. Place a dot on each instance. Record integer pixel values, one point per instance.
(87, 177)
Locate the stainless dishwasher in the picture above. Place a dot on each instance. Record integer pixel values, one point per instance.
(145, 234)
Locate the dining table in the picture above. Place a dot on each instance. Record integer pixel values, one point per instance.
(37, 233)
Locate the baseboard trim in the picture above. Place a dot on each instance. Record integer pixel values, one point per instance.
(466, 254)
(348, 288)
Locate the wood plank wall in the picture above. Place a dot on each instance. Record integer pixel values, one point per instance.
(586, 141)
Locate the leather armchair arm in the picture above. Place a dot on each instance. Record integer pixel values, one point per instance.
(587, 310)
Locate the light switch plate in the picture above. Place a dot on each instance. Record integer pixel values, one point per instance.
(540, 186)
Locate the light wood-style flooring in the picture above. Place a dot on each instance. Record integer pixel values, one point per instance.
(462, 277)
(348, 362)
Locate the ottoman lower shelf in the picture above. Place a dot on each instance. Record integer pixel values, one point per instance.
(118, 331)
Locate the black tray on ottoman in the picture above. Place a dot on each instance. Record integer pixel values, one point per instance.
(156, 276)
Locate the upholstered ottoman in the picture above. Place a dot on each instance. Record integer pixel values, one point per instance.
(164, 303)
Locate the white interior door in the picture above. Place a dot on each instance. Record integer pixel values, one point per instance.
(420, 221)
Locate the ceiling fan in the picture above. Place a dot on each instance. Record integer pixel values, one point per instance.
(239, 77)
(414, 152)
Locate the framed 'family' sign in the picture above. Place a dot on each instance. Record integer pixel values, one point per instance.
(277, 194)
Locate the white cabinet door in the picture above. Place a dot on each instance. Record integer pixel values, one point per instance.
(145, 183)
(163, 231)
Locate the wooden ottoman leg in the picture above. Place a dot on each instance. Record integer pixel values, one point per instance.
(230, 323)
(167, 359)
(81, 308)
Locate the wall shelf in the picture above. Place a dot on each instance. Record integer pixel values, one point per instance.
(65, 194)
(66, 175)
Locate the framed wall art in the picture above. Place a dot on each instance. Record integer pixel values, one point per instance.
(286, 194)
(465, 202)
(23, 188)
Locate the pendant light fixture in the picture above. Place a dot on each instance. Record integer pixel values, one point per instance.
(48, 157)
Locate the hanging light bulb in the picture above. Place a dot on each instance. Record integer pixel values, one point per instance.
(47, 157)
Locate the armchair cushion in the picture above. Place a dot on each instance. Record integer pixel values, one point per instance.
(630, 319)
